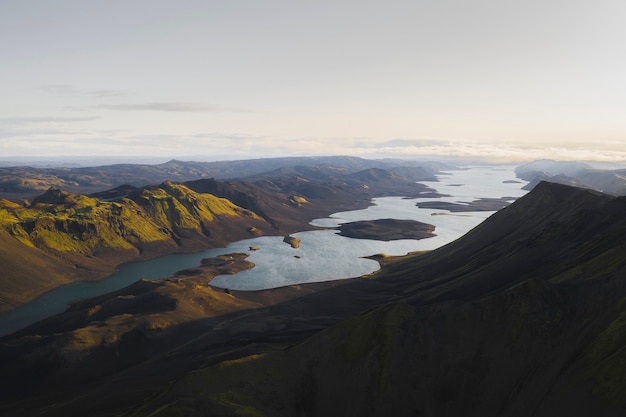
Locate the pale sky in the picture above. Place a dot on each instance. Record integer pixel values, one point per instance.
(504, 79)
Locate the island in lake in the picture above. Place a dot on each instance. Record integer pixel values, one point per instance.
(482, 204)
(387, 229)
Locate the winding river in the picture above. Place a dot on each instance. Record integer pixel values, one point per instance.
(323, 254)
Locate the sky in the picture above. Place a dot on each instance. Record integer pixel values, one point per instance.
(504, 80)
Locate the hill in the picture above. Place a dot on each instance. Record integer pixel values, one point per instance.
(522, 316)
(290, 197)
(67, 236)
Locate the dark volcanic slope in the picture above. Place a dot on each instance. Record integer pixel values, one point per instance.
(521, 317)
(549, 234)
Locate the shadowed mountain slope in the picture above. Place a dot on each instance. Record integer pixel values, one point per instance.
(551, 233)
(290, 197)
(523, 316)
(23, 268)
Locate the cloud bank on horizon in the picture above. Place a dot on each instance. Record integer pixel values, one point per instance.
(506, 81)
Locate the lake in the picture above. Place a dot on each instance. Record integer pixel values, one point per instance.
(323, 254)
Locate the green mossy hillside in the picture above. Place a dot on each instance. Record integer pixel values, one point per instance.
(72, 223)
(176, 206)
(78, 223)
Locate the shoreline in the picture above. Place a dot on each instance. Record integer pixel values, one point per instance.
(98, 275)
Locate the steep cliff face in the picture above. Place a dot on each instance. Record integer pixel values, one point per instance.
(94, 236)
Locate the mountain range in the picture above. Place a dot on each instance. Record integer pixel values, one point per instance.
(578, 174)
(523, 316)
(27, 182)
(78, 237)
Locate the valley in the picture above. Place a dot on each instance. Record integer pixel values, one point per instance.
(312, 209)
(520, 316)
(78, 237)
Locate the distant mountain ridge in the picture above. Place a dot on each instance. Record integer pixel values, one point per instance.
(577, 174)
(21, 181)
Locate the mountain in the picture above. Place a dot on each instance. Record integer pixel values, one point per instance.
(78, 237)
(523, 316)
(23, 267)
(89, 235)
(290, 197)
(577, 174)
(551, 167)
(26, 182)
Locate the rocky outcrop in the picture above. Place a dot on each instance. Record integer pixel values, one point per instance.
(293, 241)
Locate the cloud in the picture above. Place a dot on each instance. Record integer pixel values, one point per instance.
(228, 136)
(403, 143)
(491, 152)
(27, 134)
(106, 93)
(44, 119)
(66, 89)
(172, 106)
(154, 138)
(60, 89)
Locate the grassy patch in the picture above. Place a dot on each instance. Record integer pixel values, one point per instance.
(608, 361)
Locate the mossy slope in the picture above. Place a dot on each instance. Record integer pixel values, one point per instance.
(96, 235)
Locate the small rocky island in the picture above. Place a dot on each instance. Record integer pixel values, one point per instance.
(230, 263)
(387, 229)
(482, 204)
(293, 241)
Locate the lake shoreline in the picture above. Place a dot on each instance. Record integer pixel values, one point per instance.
(301, 258)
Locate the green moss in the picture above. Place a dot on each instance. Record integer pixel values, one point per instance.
(172, 410)
(608, 361)
(61, 242)
(610, 377)
(176, 206)
(85, 224)
(593, 266)
(392, 320)
(257, 381)
(357, 344)
(238, 404)
(372, 337)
